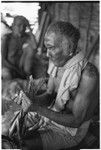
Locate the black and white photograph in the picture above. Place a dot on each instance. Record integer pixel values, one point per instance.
(50, 75)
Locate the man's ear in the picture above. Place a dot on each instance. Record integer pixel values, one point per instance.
(70, 46)
(65, 43)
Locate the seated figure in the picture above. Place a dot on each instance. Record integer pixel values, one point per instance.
(69, 102)
(18, 49)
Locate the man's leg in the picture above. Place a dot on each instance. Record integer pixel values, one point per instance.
(32, 141)
(54, 138)
(50, 137)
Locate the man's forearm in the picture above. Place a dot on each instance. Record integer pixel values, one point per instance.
(67, 120)
(44, 99)
(8, 64)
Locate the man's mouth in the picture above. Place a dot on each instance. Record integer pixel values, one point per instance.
(52, 58)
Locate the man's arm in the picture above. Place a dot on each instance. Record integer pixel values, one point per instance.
(46, 98)
(29, 50)
(5, 62)
(32, 40)
(4, 50)
(82, 105)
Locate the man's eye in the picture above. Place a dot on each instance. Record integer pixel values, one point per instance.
(51, 48)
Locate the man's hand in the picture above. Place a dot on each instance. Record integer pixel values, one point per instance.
(25, 102)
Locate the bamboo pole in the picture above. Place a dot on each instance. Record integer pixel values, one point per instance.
(44, 28)
(39, 32)
(94, 47)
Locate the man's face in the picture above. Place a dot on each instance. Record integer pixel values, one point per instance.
(57, 49)
(18, 27)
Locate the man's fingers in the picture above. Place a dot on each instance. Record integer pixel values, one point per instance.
(23, 100)
(20, 97)
(17, 100)
(25, 105)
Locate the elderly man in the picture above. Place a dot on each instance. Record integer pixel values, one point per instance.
(18, 49)
(74, 81)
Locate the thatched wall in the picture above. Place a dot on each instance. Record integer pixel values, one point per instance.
(83, 15)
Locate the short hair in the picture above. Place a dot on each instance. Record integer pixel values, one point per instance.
(66, 29)
(22, 19)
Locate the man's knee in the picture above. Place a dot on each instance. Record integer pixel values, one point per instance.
(6, 74)
(32, 141)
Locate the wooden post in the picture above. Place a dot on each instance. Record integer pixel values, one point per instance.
(43, 27)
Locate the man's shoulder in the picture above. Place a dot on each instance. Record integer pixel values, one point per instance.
(6, 38)
(90, 71)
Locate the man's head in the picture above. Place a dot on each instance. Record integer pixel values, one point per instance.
(19, 25)
(61, 41)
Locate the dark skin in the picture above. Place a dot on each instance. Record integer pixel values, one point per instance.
(78, 110)
(29, 51)
(14, 56)
(83, 104)
(84, 99)
(4, 51)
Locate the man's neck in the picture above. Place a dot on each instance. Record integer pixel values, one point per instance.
(63, 62)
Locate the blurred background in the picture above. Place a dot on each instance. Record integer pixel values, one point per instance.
(29, 10)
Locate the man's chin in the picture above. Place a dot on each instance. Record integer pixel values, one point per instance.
(55, 63)
(58, 63)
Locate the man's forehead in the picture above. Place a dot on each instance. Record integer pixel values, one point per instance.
(49, 36)
(19, 20)
(53, 38)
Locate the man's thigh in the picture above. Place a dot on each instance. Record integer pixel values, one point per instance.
(48, 138)
(54, 138)
(32, 141)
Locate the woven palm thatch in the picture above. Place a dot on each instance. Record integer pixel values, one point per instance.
(83, 15)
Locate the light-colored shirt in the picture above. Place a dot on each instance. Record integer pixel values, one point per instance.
(66, 79)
